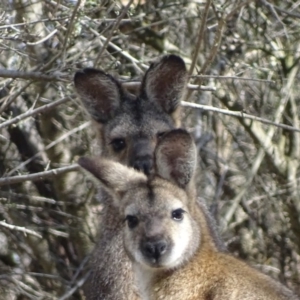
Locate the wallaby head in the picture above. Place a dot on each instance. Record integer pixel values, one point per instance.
(160, 230)
(129, 126)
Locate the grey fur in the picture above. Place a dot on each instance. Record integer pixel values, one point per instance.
(138, 121)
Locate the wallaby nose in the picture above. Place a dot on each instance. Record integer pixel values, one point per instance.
(154, 249)
(143, 164)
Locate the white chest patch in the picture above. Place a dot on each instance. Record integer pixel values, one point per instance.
(143, 280)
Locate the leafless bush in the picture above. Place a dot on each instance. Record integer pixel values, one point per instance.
(246, 127)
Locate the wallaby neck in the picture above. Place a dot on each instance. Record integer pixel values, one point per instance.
(143, 281)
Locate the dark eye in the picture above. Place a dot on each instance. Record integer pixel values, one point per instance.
(160, 134)
(177, 214)
(132, 221)
(118, 144)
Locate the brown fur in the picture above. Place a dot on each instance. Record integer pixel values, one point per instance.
(168, 235)
(128, 129)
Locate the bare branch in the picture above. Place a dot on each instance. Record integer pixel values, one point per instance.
(38, 176)
(274, 13)
(194, 87)
(27, 196)
(13, 97)
(34, 112)
(70, 27)
(32, 22)
(115, 26)
(43, 39)
(124, 53)
(49, 146)
(78, 284)
(22, 229)
(200, 36)
(265, 145)
(238, 114)
(232, 77)
(289, 13)
(215, 47)
(30, 75)
(30, 292)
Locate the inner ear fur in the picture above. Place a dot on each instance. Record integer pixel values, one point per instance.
(176, 157)
(99, 92)
(165, 81)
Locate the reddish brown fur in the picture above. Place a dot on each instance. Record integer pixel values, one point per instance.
(196, 271)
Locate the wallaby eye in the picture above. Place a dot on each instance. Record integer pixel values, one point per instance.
(160, 134)
(132, 221)
(118, 144)
(177, 214)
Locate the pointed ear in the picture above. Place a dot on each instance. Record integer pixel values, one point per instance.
(176, 157)
(113, 176)
(165, 81)
(99, 92)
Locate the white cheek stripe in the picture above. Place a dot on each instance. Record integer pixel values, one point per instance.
(181, 244)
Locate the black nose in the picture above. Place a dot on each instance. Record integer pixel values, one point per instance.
(143, 164)
(154, 249)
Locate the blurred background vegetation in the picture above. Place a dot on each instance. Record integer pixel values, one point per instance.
(243, 58)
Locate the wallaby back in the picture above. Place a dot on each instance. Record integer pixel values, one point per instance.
(128, 129)
(167, 234)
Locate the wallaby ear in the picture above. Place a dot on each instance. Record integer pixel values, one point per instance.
(176, 157)
(99, 92)
(165, 81)
(113, 176)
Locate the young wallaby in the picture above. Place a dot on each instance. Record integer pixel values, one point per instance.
(128, 128)
(167, 235)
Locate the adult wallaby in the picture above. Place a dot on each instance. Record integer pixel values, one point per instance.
(128, 129)
(167, 234)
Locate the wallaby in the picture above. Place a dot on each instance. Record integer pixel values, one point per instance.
(128, 129)
(166, 233)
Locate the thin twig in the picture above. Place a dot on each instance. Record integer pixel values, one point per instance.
(194, 87)
(261, 152)
(38, 176)
(29, 291)
(62, 51)
(78, 284)
(289, 13)
(232, 77)
(22, 229)
(274, 13)
(69, 29)
(52, 144)
(200, 37)
(213, 52)
(115, 26)
(39, 209)
(124, 53)
(12, 98)
(238, 114)
(43, 39)
(133, 60)
(83, 266)
(28, 196)
(215, 47)
(216, 43)
(32, 22)
(28, 75)
(30, 113)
